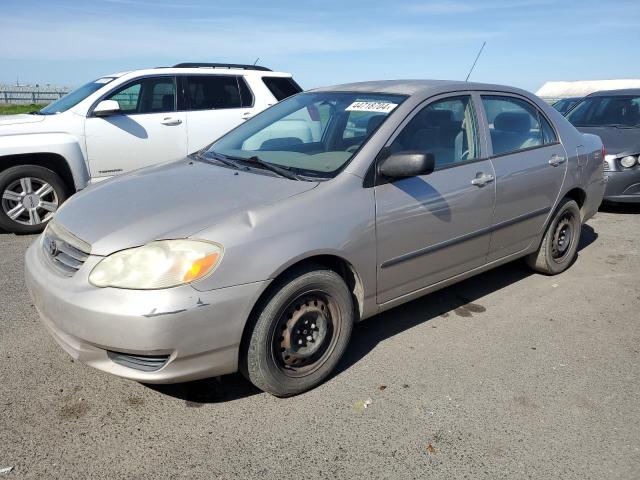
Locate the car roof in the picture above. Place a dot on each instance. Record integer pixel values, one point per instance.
(416, 87)
(200, 71)
(614, 93)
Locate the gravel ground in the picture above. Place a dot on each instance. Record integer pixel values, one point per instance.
(506, 375)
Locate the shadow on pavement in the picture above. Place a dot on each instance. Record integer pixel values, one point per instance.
(210, 390)
(621, 208)
(456, 300)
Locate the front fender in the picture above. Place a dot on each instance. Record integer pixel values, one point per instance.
(62, 144)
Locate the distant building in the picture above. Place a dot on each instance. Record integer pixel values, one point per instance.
(552, 91)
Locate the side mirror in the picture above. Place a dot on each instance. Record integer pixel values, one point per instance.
(407, 164)
(106, 107)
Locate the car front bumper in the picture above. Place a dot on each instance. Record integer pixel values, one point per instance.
(151, 336)
(623, 186)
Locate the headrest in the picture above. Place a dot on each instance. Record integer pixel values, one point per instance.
(374, 122)
(167, 102)
(437, 118)
(518, 122)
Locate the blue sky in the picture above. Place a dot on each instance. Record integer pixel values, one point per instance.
(324, 42)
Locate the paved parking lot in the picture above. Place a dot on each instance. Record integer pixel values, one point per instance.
(507, 375)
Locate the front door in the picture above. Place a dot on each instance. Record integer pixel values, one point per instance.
(147, 130)
(530, 166)
(433, 227)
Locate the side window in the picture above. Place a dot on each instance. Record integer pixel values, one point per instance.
(207, 92)
(514, 124)
(446, 128)
(147, 95)
(281, 87)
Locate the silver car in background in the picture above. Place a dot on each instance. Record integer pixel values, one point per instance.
(259, 253)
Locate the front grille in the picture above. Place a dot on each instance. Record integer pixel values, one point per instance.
(65, 252)
(605, 165)
(144, 363)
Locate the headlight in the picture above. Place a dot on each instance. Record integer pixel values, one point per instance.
(160, 264)
(628, 161)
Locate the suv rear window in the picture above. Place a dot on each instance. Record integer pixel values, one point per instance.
(281, 87)
(207, 92)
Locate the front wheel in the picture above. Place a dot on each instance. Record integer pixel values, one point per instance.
(30, 196)
(300, 333)
(560, 242)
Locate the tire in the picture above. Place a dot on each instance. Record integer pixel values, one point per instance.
(30, 196)
(299, 333)
(557, 252)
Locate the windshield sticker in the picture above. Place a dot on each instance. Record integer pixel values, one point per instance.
(104, 80)
(381, 107)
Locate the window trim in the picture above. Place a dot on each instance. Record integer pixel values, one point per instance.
(532, 104)
(90, 111)
(186, 101)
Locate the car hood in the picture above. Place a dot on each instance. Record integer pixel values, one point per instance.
(20, 118)
(617, 140)
(172, 200)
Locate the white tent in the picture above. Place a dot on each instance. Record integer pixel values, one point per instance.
(580, 88)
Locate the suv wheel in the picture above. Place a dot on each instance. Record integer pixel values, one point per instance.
(560, 243)
(300, 333)
(30, 196)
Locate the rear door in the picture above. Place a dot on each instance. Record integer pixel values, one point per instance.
(434, 227)
(530, 165)
(147, 130)
(214, 105)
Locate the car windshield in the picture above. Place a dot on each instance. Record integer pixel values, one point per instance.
(76, 96)
(312, 134)
(604, 111)
(564, 105)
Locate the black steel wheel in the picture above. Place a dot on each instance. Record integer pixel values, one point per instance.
(299, 333)
(559, 246)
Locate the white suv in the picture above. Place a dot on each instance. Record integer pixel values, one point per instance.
(119, 123)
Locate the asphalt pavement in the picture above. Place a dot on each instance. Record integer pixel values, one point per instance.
(507, 375)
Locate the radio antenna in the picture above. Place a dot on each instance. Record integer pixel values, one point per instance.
(475, 61)
(254, 63)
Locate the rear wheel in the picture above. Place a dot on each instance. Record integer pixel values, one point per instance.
(560, 242)
(300, 333)
(30, 196)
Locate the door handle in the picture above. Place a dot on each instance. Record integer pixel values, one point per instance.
(247, 115)
(171, 121)
(482, 179)
(556, 160)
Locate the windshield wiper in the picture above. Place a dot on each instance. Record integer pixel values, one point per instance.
(255, 160)
(218, 158)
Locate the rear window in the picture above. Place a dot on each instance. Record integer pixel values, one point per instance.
(281, 87)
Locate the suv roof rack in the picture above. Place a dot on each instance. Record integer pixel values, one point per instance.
(222, 65)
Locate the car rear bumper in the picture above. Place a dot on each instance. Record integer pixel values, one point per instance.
(623, 186)
(152, 336)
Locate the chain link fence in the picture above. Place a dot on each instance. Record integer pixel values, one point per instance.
(29, 94)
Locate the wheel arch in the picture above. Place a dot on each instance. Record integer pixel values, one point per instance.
(52, 161)
(332, 262)
(580, 197)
